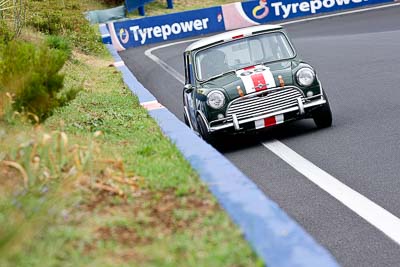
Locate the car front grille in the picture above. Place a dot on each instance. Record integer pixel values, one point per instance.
(264, 103)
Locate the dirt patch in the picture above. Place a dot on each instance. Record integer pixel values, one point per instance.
(123, 235)
(146, 218)
(164, 212)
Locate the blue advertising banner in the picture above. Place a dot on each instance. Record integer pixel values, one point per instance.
(237, 15)
(143, 31)
(137, 32)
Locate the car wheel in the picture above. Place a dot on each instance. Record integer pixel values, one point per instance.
(209, 138)
(323, 115)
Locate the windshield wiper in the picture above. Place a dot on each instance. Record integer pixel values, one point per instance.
(274, 61)
(219, 75)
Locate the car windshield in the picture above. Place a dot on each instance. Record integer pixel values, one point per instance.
(241, 53)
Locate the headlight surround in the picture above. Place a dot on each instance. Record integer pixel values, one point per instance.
(305, 76)
(216, 99)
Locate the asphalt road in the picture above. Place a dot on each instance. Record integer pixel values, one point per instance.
(357, 59)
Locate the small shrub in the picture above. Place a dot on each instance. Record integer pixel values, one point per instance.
(65, 96)
(5, 33)
(32, 75)
(60, 43)
(49, 22)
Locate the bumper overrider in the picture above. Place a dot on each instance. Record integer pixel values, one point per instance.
(264, 109)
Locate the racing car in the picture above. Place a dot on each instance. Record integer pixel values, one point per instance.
(249, 79)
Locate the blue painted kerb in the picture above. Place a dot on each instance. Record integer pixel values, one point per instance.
(275, 237)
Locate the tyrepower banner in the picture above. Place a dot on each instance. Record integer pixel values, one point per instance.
(148, 30)
(244, 14)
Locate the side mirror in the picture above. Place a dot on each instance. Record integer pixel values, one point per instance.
(188, 88)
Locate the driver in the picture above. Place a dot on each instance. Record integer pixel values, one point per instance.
(213, 63)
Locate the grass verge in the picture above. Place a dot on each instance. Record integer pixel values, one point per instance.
(99, 185)
(136, 202)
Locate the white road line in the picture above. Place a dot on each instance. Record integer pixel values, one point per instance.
(368, 210)
(365, 208)
(164, 65)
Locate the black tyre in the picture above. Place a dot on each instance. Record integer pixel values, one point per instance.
(323, 115)
(202, 128)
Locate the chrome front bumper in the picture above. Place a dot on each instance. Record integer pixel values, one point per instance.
(303, 104)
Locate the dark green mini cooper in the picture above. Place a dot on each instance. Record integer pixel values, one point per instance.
(249, 79)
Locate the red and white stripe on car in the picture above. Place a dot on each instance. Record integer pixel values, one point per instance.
(270, 121)
(256, 78)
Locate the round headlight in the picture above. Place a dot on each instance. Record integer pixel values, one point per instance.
(305, 76)
(216, 99)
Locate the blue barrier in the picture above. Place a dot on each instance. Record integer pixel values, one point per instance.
(131, 5)
(143, 31)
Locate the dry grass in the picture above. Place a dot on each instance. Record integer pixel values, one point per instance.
(48, 165)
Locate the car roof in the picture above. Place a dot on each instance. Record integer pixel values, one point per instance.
(230, 34)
